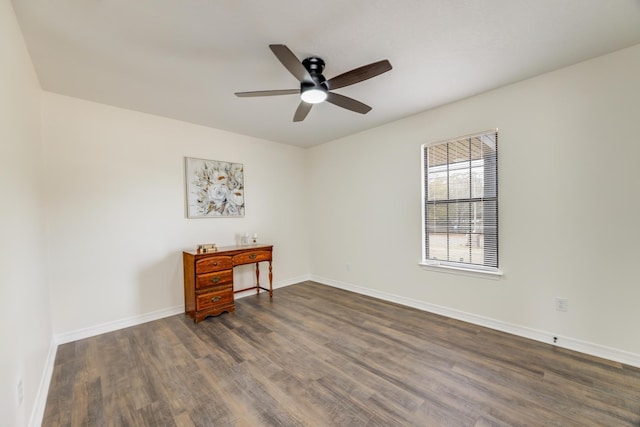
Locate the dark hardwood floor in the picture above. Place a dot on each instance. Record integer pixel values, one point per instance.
(320, 356)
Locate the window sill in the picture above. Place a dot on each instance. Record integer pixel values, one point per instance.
(463, 271)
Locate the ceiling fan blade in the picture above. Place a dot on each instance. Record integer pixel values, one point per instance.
(302, 111)
(291, 62)
(359, 74)
(268, 92)
(348, 103)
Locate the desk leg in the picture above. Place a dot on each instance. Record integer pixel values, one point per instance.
(257, 277)
(270, 281)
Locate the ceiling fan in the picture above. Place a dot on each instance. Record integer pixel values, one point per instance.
(314, 88)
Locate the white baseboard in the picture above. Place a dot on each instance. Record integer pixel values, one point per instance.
(292, 281)
(37, 412)
(276, 285)
(116, 324)
(613, 354)
(148, 317)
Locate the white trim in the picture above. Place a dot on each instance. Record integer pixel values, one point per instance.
(91, 331)
(279, 284)
(37, 412)
(592, 349)
(449, 268)
(149, 317)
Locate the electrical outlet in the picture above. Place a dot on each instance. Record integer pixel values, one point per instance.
(348, 267)
(562, 304)
(20, 392)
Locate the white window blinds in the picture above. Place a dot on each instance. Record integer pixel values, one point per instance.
(461, 202)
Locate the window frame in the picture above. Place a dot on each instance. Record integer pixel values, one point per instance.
(453, 266)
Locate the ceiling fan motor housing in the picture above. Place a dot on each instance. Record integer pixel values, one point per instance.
(315, 66)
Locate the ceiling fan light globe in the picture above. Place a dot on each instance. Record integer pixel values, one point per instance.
(313, 95)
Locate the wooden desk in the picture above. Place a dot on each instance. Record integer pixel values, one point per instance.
(208, 278)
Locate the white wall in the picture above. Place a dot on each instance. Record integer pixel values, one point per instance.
(116, 210)
(569, 203)
(25, 325)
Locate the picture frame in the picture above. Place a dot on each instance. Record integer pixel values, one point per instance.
(214, 189)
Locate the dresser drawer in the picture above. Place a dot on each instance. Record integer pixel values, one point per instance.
(215, 299)
(214, 263)
(217, 278)
(250, 257)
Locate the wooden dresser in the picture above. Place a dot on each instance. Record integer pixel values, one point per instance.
(208, 278)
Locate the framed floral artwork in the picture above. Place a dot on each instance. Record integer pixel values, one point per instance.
(214, 189)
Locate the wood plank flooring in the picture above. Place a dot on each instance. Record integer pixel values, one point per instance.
(320, 356)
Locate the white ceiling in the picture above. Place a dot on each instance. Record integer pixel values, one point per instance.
(184, 59)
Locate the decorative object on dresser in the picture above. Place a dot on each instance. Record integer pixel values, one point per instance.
(214, 189)
(208, 278)
(205, 248)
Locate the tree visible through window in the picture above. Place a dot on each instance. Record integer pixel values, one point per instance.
(461, 202)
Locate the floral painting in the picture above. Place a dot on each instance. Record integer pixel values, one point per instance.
(214, 188)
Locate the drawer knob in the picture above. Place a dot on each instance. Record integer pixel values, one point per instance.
(215, 264)
(252, 256)
(215, 279)
(216, 299)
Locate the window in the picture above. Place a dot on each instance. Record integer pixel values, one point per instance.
(460, 209)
